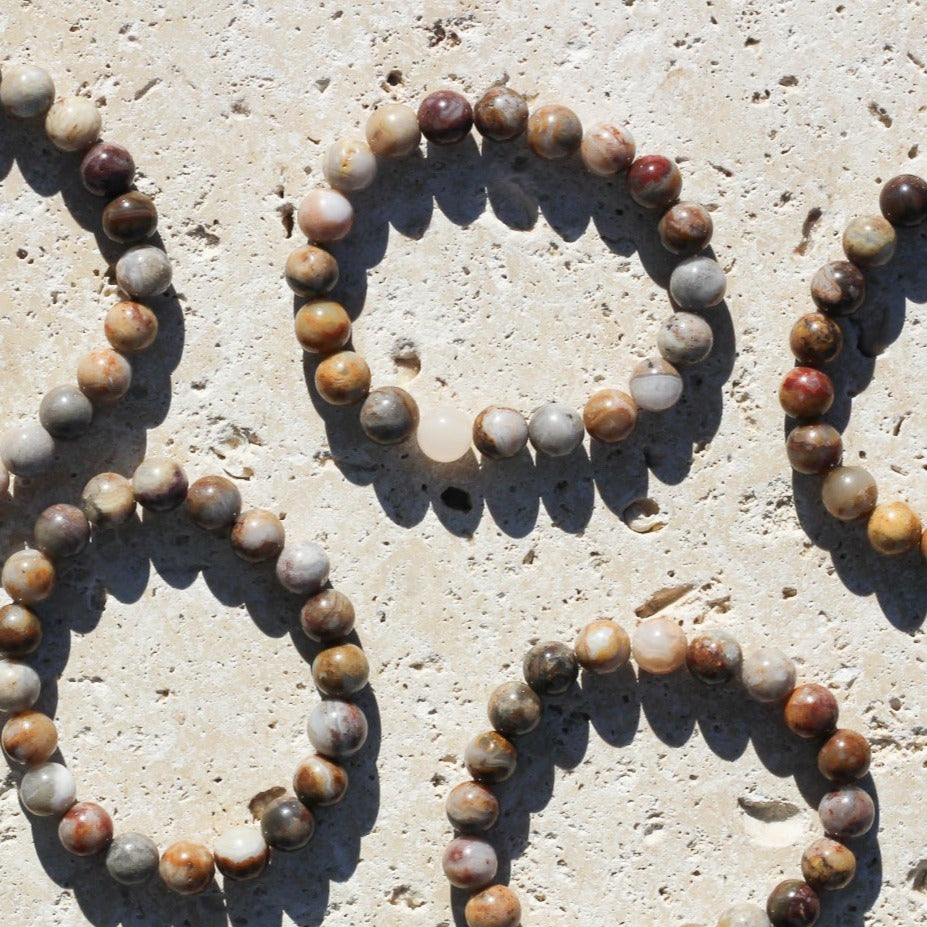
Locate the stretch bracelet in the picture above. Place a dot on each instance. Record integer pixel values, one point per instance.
(659, 647)
(389, 415)
(337, 727)
(849, 493)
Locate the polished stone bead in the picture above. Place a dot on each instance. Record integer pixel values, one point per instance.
(29, 737)
(107, 169)
(849, 493)
(685, 339)
(144, 271)
(555, 429)
(104, 376)
(73, 124)
(257, 535)
(490, 757)
(469, 863)
(743, 915)
(337, 729)
(27, 450)
(793, 903)
(213, 503)
(838, 288)
(610, 415)
(500, 433)
(350, 165)
(903, 200)
(654, 182)
(241, 853)
(343, 379)
(26, 91)
(130, 218)
(894, 528)
(444, 433)
(341, 671)
(869, 241)
(107, 500)
(603, 646)
(61, 531)
(20, 631)
(20, 686)
(659, 646)
(685, 229)
(697, 283)
(514, 709)
(607, 149)
(389, 415)
(847, 812)
(319, 783)
(4, 479)
(845, 756)
(187, 868)
(86, 829)
(714, 657)
(554, 132)
(65, 412)
(496, 906)
(322, 326)
(130, 327)
(828, 865)
(472, 807)
(132, 859)
(814, 448)
(816, 339)
(806, 393)
(28, 576)
(159, 484)
(768, 675)
(47, 789)
(811, 710)
(445, 117)
(655, 384)
(303, 567)
(287, 824)
(550, 668)
(327, 617)
(392, 131)
(501, 114)
(310, 271)
(325, 215)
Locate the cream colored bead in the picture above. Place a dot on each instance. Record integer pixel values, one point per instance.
(350, 165)
(444, 433)
(325, 215)
(392, 131)
(26, 91)
(73, 124)
(659, 646)
(28, 576)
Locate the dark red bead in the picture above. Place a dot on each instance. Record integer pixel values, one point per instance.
(445, 117)
(806, 392)
(903, 200)
(654, 182)
(107, 169)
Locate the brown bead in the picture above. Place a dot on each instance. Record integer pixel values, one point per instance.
(814, 448)
(793, 904)
(714, 657)
(319, 782)
(869, 241)
(213, 503)
(322, 326)
(29, 737)
(501, 114)
(828, 865)
(130, 327)
(806, 392)
(327, 616)
(654, 182)
(341, 671)
(514, 709)
(20, 631)
(845, 756)
(130, 218)
(554, 132)
(311, 271)
(61, 531)
(445, 117)
(903, 200)
(838, 288)
(894, 528)
(186, 867)
(610, 415)
(107, 169)
(685, 228)
(343, 379)
(471, 807)
(603, 646)
(496, 906)
(490, 757)
(816, 339)
(86, 829)
(104, 376)
(257, 535)
(811, 710)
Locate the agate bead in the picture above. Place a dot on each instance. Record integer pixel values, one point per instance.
(496, 906)
(743, 915)
(86, 829)
(472, 807)
(697, 283)
(659, 646)
(341, 671)
(144, 271)
(811, 710)
(500, 433)
(303, 567)
(849, 493)
(130, 327)
(107, 500)
(132, 859)
(47, 789)
(325, 215)
(257, 535)
(389, 415)
(328, 616)
(768, 675)
(550, 668)
(793, 903)
(845, 756)
(73, 124)
(838, 288)
(847, 812)
(61, 531)
(655, 385)
(654, 182)
(828, 865)
(241, 853)
(806, 393)
(319, 782)
(445, 117)
(187, 868)
(894, 528)
(104, 376)
(350, 165)
(816, 339)
(27, 450)
(65, 412)
(29, 737)
(20, 686)
(342, 379)
(213, 503)
(392, 131)
(555, 429)
(685, 229)
(554, 132)
(869, 241)
(469, 863)
(20, 631)
(610, 415)
(501, 114)
(607, 149)
(159, 484)
(489, 757)
(685, 339)
(444, 433)
(28, 576)
(714, 657)
(337, 729)
(107, 169)
(130, 218)
(310, 271)
(814, 448)
(322, 326)
(603, 646)
(903, 200)
(287, 824)
(514, 709)
(26, 91)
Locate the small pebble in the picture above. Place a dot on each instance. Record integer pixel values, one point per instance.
(838, 288)
(555, 429)
(29, 737)
(130, 218)
(610, 415)
(27, 450)
(337, 729)
(806, 392)
(655, 385)
(768, 675)
(550, 668)
(685, 339)
(20, 686)
(350, 165)
(241, 853)
(554, 132)
(811, 710)
(28, 576)
(73, 124)
(107, 169)
(501, 114)
(303, 567)
(490, 758)
(714, 657)
(61, 531)
(104, 376)
(392, 131)
(603, 646)
(322, 326)
(20, 631)
(697, 283)
(310, 271)
(257, 535)
(343, 379)
(319, 782)
(869, 241)
(514, 709)
(130, 327)
(444, 433)
(894, 528)
(132, 859)
(327, 617)
(793, 904)
(654, 182)
(187, 868)
(816, 339)
(341, 671)
(325, 216)
(496, 906)
(500, 433)
(287, 824)
(685, 229)
(445, 117)
(469, 863)
(828, 865)
(159, 484)
(845, 756)
(144, 271)
(849, 493)
(389, 415)
(607, 149)
(86, 829)
(213, 503)
(814, 448)
(107, 500)
(27, 91)
(65, 412)
(659, 646)
(47, 789)
(847, 812)
(471, 807)
(903, 200)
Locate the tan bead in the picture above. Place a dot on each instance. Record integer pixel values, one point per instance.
(849, 493)
(107, 500)
(343, 379)
(104, 376)
(392, 131)
(73, 124)
(659, 646)
(325, 215)
(610, 415)
(603, 646)
(496, 906)
(130, 327)
(257, 535)
(607, 149)
(319, 782)
(894, 528)
(554, 132)
(322, 326)
(20, 631)
(350, 165)
(869, 241)
(187, 868)
(828, 865)
(310, 271)
(29, 737)
(28, 576)
(341, 671)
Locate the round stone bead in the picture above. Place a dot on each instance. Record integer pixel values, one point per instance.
(472, 807)
(655, 384)
(554, 132)
(489, 757)
(310, 271)
(20, 686)
(496, 906)
(894, 528)
(4, 479)
(845, 756)
(257, 535)
(319, 782)
(144, 271)
(61, 531)
(27, 450)
(501, 114)
(603, 646)
(685, 339)
(241, 853)
(130, 327)
(816, 339)
(65, 412)
(107, 169)
(610, 415)
(514, 709)
(743, 915)
(793, 903)
(869, 241)
(322, 326)
(73, 124)
(697, 283)
(28, 576)
(303, 567)
(846, 812)
(392, 131)
(86, 829)
(659, 646)
(328, 616)
(389, 415)
(654, 182)
(469, 863)
(768, 675)
(26, 91)
(685, 229)
(828, 865)
(350, 165)
(325, 215)
(29, 737)
(104, 376)
(213, 503)
(445, 117)
(47, 789)
(550, 668)
(806, 392)
(130, 218)
(714, 657)
(159, 484)
(607, 149)
(500, 433)
(838, 288)
(555, 429)
(903, 200)
(814, 448)
(343, 379)
(132, 859)
(341, 671)
(187, 868)
(287, 824)
(107, 500)
(20, 631)
(849, 493)
(811, 710)
(337, 729)
(443, 434)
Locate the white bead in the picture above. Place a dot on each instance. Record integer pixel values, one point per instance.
(655, 385)
(659, 646)
(350, 165)
(26, 91)
(303, 567)
(27, 450)
(241, 853)
(768, 675)
(20, 686)
(444, 433)
(48, 788)
(74, 124)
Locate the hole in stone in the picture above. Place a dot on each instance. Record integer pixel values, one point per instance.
(458, 499)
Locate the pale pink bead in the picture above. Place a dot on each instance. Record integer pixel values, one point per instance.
(325, 215)
(659, 646)
(444, 433)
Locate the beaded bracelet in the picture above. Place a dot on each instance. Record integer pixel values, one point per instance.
(660, 647)
(104, 375)
(389, 415)
(849, 493)
(337, 727)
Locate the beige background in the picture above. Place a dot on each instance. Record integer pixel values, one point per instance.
(179, 691)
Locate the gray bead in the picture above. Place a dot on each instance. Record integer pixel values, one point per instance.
(389, 415)
(47, 789)
(27, 450)
(26, 91)
(685, 339)
(159, 484)
(132, 859)
(337, 729)
(143, 271)
(500, 433)
(61, 531)
(303, 567)
(20, 686)
(65, 412)
(556, 430)
(697, 283)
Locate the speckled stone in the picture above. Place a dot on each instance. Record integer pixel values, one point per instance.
(303, 567)
(501, 114)
(814, 448)
(27, 450)
(500, 433)
(603, 646)
(607, 149)
(768, 675)
(20, 686)
(241, 853)
(337, 729)
(849, 493)
(685, 229)
(697, 283)
(132, 859)
(554, 132)
(445, 117)
(257, 535)
(342, 379)
(104, 376)
(610, 415)
(130, 218)
(828, 865)
(310, 271)
(659, 646)
(714, 657)
(389, 415)
(187, 868)
(159, 484)
(743, 915)
(86, 829)
(811, 710)
(287, 824)
(61, 531)
(47, 789)
(496, 906)
(318, 782)
(847, 812)
(73, 124)
(555, 429)
(654, 182)
(65, 412)
(325, 216)
(392, 131)
(349, 165)
(29, 737)
(28, 576)
(838, 288)
(869, 241)
(490, 757)
(144, 271)
(685, 339)
(894, 528)
(341, 671)
(903, 200)
(130, 327)
(806, 392)
(327, 617)
(27, 90)
(213, 503)
(793, 903)
(816, 339)
(550, 668)
(107, 500)
(469, 863)
(20, 631)
(107, 169)
(655, 384)
(322, 326)
(514, 709)
(471, 807)
(845, 756)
